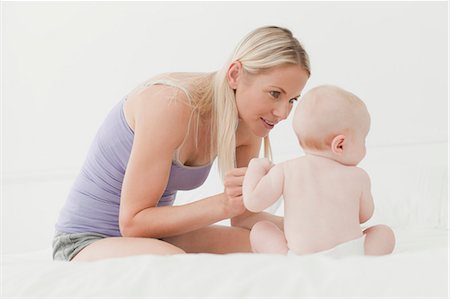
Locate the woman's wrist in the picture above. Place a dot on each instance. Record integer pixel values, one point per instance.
(218, 206)
(224, 207)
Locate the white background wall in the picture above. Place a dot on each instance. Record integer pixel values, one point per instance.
(64, 65)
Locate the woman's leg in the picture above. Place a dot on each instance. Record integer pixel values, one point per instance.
(266, 237)
(120, 247)
(213, 239)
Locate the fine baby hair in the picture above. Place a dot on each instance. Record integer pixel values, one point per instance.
(328, 119)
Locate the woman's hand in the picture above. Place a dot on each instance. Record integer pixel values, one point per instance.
(233, 190)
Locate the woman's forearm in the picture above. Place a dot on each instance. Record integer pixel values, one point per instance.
(162, 222)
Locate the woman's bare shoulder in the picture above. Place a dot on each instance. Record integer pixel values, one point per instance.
(158, 102)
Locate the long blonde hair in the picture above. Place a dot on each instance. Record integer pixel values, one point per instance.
(261, 49)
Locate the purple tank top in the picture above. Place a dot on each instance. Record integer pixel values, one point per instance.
(94, 199)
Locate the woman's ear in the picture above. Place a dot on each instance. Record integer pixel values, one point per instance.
(337, 145)
(233, 73)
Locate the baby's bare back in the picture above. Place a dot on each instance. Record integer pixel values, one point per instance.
(321, 198)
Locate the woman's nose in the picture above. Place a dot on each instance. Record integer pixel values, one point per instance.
(282, 110)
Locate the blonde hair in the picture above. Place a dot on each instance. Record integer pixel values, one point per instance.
(261, 49)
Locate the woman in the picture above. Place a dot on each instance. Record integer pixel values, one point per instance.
(163, 137)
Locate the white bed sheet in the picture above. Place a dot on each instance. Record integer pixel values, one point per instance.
(417, 268)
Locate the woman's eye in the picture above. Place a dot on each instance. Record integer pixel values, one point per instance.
(292, 100)
(275, 94)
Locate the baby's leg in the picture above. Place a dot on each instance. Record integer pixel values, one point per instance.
(266, 237)
(380, 240)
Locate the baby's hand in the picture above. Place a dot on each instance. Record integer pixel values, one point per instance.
(261, 164)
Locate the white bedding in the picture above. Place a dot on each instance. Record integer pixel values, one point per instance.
(417, 268)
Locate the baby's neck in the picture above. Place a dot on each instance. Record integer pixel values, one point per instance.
(321, 155)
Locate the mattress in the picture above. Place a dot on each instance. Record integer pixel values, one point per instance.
(417, 268)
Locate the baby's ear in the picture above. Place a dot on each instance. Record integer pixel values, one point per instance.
(337, 145)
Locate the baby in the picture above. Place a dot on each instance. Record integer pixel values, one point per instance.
(326, 197)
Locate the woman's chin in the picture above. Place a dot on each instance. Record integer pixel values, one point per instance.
(261, 132)
(258, 130)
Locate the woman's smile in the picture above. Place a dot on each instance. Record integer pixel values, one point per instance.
(268, 124)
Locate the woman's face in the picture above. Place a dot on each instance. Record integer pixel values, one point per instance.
(265, 99)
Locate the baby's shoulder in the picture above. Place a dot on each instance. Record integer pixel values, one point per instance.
(292, 162)
(293, 166)
(359, 173)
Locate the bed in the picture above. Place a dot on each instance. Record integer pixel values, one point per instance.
(418, 268)
(410, 188)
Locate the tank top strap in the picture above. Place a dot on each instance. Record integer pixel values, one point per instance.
(176, 155)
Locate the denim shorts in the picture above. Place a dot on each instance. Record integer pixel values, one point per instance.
(67, 245)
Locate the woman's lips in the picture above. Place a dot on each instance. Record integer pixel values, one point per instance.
(269, 125)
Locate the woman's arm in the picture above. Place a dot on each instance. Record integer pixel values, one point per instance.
(159, 222)
(156, 136)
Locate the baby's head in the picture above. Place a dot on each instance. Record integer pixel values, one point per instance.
(332, 122)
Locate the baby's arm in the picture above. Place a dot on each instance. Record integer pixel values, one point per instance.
(379, 239)
(263, 184)
(366, 206)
